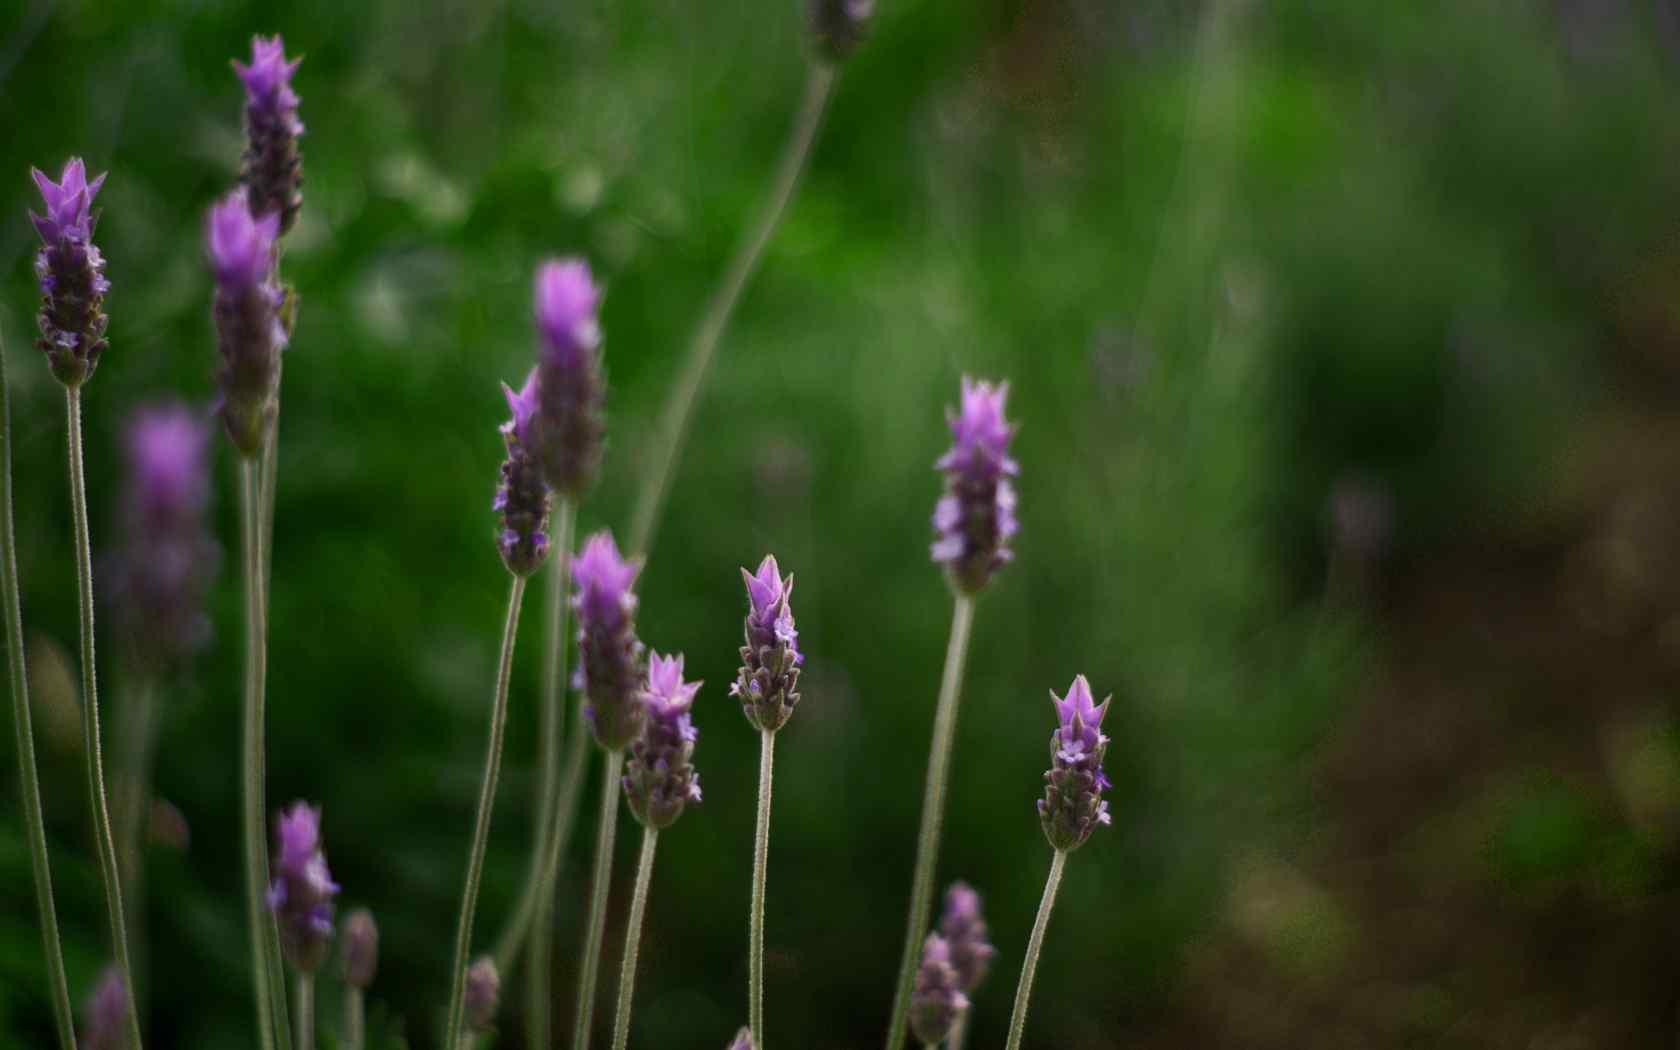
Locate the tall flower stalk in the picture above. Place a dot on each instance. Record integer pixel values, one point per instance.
(29, 784)
(1072, 807)
(767, 686)
(973, 522)
(71, 274)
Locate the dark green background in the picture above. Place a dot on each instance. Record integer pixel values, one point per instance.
(1230, 255)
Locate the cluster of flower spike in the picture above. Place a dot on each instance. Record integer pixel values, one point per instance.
(609, 653)
(302, 891)
(71, 274)
(767, 681)
(964, 931)
(936, 999)
(570, 389)
(1072, 805)
(659, 777)
(246, 308)
(975, 519)
(272, 172)
(522, 499)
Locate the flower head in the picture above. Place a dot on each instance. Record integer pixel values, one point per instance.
(272, 169)
(659, 778)
(975, 518)
(246, 308)
(964, 931)
(571, 390)
(935, 999)
(610, 655)
(240, 244)
(71, 274)
(302, 890)
(767, 681)
(483, 994)
(359, 942)
(839, 25)
(105, 1014)
(522, 497)
(1072, 805)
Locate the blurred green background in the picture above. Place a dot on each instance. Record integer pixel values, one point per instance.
(1345, 344)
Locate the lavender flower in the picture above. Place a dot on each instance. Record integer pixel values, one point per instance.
(105, 1014)
(359, 943)
(484, 994)
(302, 891)
(964, 931)
(1072, 805)
(272, 169)
(743, 1040)
(839, 25)
(936, 1000)
(249, 334)
(609, 654)
(169, 556)
(659, 779)
(71, 274)
(767, 680)
(570, 389)
(522, 498)
(976, 517)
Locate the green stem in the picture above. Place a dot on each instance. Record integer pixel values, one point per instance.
(679, 408)
(29, 781)
(1035, 943)
(633, 939)
(252, 765)
(565, 817)
(933, 813)
(761, 869)
(139, 732)
(355, 1023)
(304, 985)
(540, 881)
(481, 823)
(589, 966)
(104, 842)
(959, 1028)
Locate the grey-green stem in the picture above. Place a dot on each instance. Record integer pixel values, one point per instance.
(355, 1018)
(105, 843)
(304, 986)
(1035, 944)
(761, 871)
(29, 782)
(481, 822)
(633, 939)
(589, 965)
(679, 408)
(933, 812)
(565, 818)
(258, 917)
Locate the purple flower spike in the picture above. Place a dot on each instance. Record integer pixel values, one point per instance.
(839, 26)
(742, 1040)
(659, 778)
(975, 517)
(522, 497)
(571, 390)
(273, 169)
(105, 1014)
(360, 945)
(302, 891)
(71, 273)
(935, 999)
(964, 930)
(609, 654)
(168, 558)
(1072, 805)
(249, 334)
(483, 994)
(767, 681)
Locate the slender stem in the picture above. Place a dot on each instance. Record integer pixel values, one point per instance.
(565, 817)
(355, 1023)
(589, 966)
(481, 823)
(133, 803)
(540, 881)
(304, 986)
(933, 812)
(1023, 991)
(633, 939)
(252, 764)
(679, 407)
(28, 779)
(761, 869)
(959, 1028)
(104, 842)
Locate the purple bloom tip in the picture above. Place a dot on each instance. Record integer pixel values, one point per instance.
(241, 246)
(301, 894)
(522, 404)
(603, 576)
(565, 299)
(978, 427)
(69, 202)
(105, 1014)
(268, 77)
(667, 691)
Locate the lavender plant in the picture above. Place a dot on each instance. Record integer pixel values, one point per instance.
(766, 684)
(301, 900)
(973, 523)
(483, 998)
(359, 943)
(937, 1001)
(964, 930)
(71, 274)
(104, 1015)
(1072, 807)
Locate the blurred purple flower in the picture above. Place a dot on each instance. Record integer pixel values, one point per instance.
(975, 518)
(609, 669)
(659, 778)
(743, 1040)
(571, 391)
(272, 168)
(935, 999)
(105, 1014)
(1072, 805)
(71, 274)
(483, 994)
(766, 683)
(302, 890)
(249, 335)
(522, 497)
(964, 930)
(359, 943)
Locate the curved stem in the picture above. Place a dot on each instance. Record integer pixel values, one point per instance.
(565, 817)
(589, 966)
(761, 869)
(538, 899)
(1023, 991)
(355, 1023)
(133, 804)
(933, 812)
(679, 407)
(304, 984)
(959, 1028)
(251, 766)
(481, 823)
(104, 843)
(29, 782)
(633, 939)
